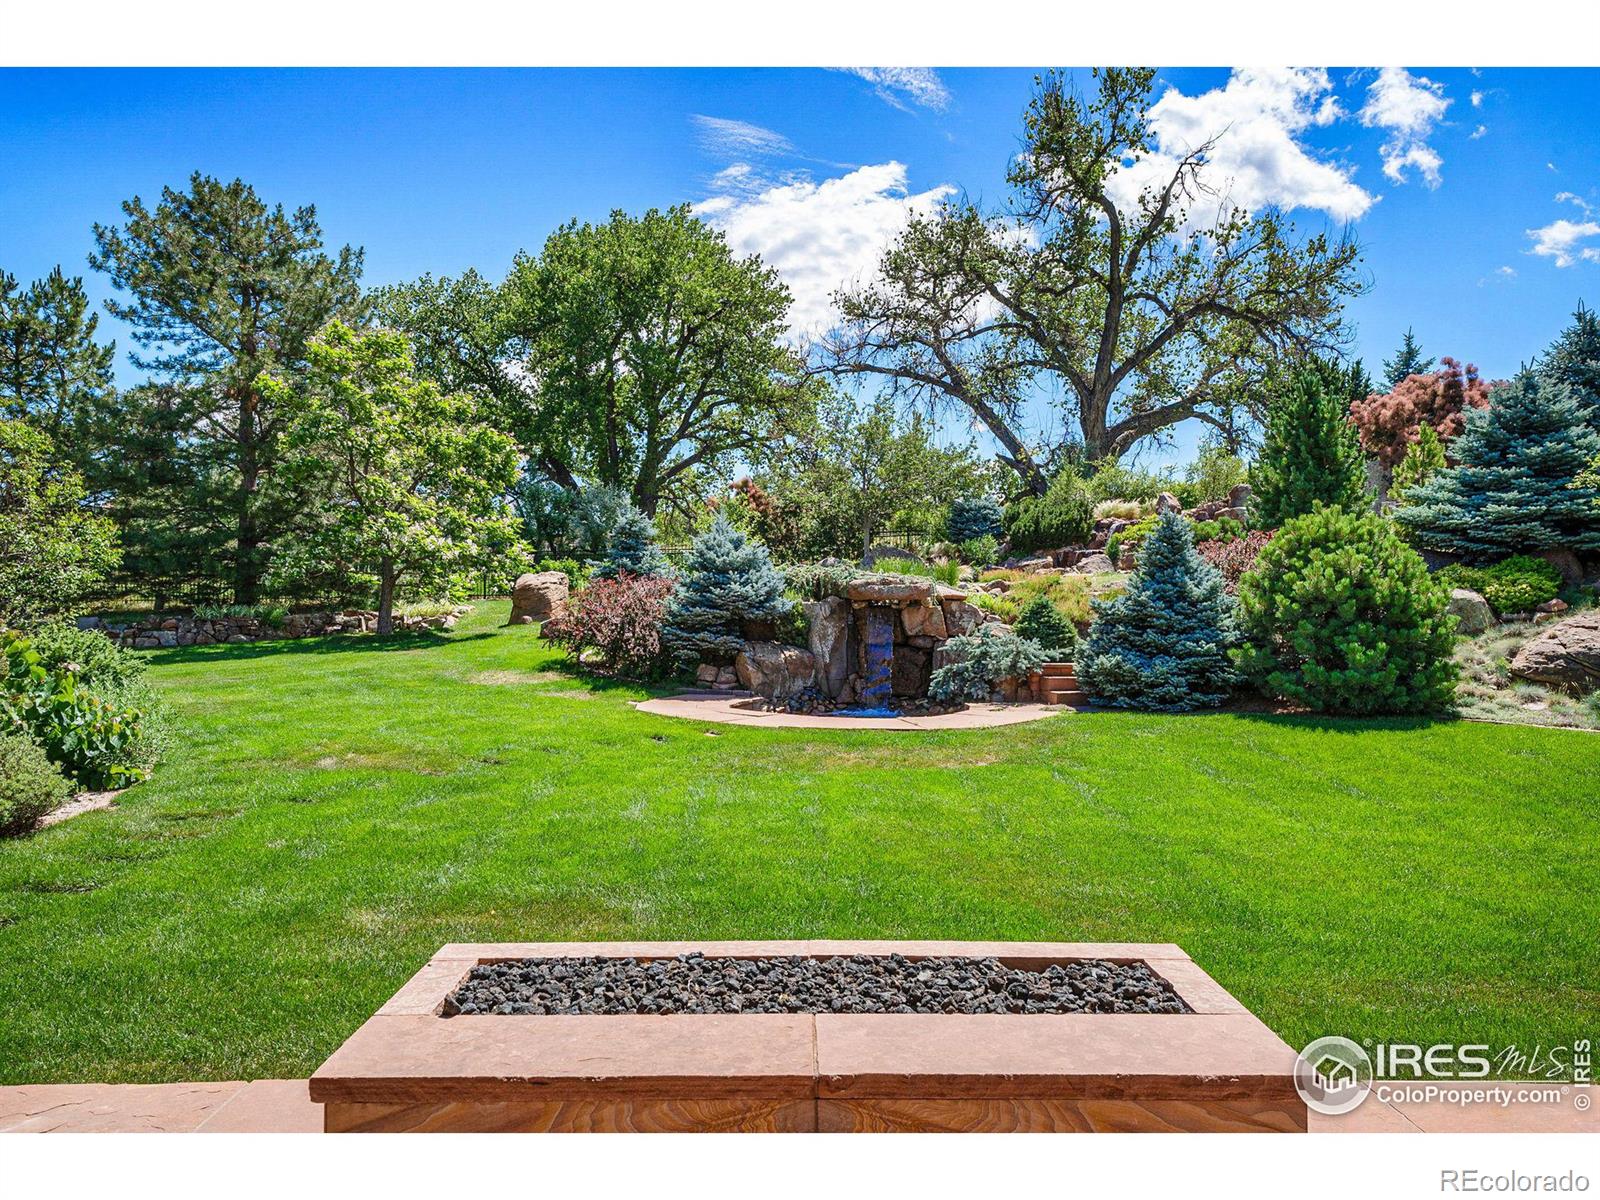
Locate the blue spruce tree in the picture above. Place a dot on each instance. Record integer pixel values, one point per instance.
(728, 580)
(1515, 487)
(633, 549)
(1163, 644)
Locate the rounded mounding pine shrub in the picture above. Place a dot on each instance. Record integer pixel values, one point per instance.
(30, 785)
(1343, 617)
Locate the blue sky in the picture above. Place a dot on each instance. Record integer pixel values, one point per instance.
(1476, 194)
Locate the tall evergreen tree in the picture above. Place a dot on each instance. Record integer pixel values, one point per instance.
(1163, 644)
(53, 373)
(1407, 361)
(1574, 359)
(223, 290)
(729, 580)
(1310, 452)
(1514, 487)
(633, 549)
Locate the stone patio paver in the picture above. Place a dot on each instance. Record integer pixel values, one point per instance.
(727, 710)
(282, 1106)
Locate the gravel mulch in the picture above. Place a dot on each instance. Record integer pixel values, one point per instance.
(692, 983)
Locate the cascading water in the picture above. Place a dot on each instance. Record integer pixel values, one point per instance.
(876, 684)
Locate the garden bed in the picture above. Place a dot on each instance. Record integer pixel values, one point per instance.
(1200, 1062)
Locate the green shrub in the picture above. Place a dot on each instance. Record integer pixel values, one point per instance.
(1042, 622)
(820, 581)
(632, 549)
(1310, 453)
(94, 739)
(1134, 535)
(1113, 481)
(1163, 645)
(1063, 516)
(1516, 584)
(975, 664)
(980, 552)
(95, 659)
(30, 786)
(1223, 529)
(576, 572)
(1342, 616)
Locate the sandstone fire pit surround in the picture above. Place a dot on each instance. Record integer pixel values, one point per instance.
(411, 1068)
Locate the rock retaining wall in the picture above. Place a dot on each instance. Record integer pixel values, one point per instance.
(154, 633)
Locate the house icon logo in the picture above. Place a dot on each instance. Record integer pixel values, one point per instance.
(1333, 1075)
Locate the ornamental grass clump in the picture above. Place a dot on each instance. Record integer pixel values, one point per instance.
(1343, 617)
(1163, 644)
(729, 582)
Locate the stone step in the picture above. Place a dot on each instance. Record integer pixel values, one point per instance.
(1057, 670)
(1070, 696)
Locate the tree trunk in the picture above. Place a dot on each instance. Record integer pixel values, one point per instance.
(386, 574)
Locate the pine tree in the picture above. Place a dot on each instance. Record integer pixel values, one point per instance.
(1515, 486)
(976, 518)
(728, 580)
(1423, 457)
(633, 549)
(1310, 452)
(53, 372)
(1163, 644)
(221, 290)
(1407, 361)
(1574, 359)
(1042, 622)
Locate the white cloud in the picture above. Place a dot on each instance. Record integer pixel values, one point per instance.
(1479, 132)
(1575, 199)
(1508, 272)
(902, 85)
(821, 236)
(1408, 106)
(1258, 158)
(720, 135)
(1564, 240)
(1477, 99)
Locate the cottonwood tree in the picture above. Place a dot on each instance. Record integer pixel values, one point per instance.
(1139, 306)
(53, 371)
(223, 290)
(639, 353)
(406, 478)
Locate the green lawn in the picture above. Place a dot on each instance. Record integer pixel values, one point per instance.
(336, 810)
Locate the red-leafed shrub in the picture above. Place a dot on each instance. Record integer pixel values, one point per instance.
(620, 619)
(1389, 423)
(1234, 558)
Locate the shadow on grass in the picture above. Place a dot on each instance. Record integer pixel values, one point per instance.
(347, 643)
(594, 681)
(1323, 722)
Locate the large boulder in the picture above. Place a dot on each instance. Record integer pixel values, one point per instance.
(961, 618)
(1089, 564)
(923, 620)
(775, 672)
(889, 589)
(1471, 611)
(539, 596)
(877, 554)
(1564, 561)
(1166, 502)
(829, 639)
(1239, 495)
(1566, 655)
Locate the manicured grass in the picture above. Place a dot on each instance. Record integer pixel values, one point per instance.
(334, 811)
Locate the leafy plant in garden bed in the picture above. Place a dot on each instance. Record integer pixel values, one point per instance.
(95, 741)
(1343, 617)
(1233, 558)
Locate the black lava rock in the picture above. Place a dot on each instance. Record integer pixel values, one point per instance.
(692, 983)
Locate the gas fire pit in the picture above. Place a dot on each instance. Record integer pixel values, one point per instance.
(806, 1036)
